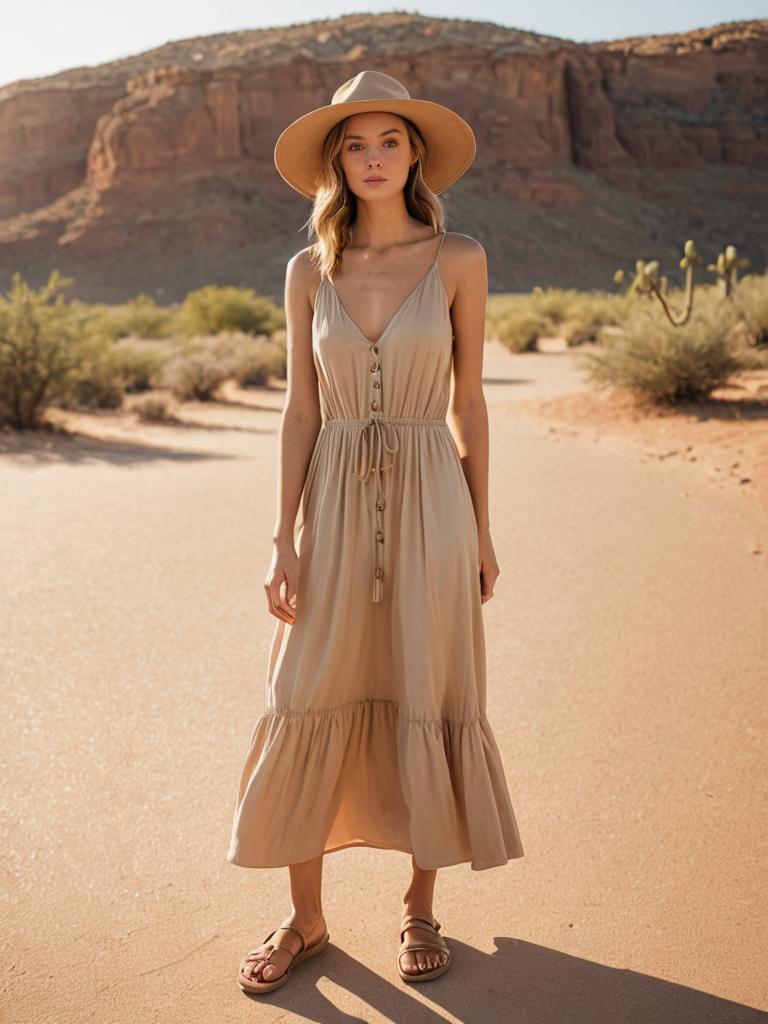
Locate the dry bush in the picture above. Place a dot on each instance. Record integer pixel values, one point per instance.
(667, 364)
(518, 321)
(153, 408)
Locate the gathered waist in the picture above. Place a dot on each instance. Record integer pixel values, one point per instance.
(426, 420)
(376, 440)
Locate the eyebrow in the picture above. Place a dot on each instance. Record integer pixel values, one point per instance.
(387, 132)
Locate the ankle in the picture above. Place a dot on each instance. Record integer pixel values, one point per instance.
(308, 916)
(417, 908)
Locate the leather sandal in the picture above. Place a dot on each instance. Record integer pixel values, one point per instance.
(420, 975)
(248, 984)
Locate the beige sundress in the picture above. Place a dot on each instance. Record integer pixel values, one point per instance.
(374, 730)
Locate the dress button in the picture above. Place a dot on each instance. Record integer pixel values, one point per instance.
(374, 405)
(375, 348)
(379, 573)
(379, 535)
(376, 384)
(380, 505)
(374, 368)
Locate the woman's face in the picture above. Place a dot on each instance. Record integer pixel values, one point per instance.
(376, 154)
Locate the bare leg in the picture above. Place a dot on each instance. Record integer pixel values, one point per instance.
(418, 902)
(307, 915)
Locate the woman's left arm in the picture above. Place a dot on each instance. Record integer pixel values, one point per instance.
(468, 413)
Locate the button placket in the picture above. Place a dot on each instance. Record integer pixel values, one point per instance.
(378, 547)
(376, 437)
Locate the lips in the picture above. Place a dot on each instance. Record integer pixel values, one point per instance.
(375, 178)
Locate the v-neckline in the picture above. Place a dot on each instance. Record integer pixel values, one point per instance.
(394, 316)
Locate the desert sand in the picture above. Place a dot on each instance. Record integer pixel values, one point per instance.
(627, 669)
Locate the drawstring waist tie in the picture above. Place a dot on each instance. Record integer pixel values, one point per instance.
(376, 438)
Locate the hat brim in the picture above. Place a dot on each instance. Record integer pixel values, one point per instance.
(450, 141)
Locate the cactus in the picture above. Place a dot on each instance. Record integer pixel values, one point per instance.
(726, 268)
(646, 281)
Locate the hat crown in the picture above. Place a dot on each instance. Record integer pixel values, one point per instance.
(370, 85)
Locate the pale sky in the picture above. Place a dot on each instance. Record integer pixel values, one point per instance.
(40, 37)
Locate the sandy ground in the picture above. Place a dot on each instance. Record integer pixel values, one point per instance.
(627, 654)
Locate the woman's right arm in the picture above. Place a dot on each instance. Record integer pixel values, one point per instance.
(299, 426)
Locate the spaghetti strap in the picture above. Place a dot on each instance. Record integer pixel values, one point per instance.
(439, 248)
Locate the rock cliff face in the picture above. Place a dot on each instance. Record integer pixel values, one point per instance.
(155, 173)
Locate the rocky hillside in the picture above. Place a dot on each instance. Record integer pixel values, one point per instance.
(155, 173)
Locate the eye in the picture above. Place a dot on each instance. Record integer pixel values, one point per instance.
(353, 144)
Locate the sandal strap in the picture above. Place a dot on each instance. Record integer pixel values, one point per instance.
(408, 922)
(425, 946)
(291, 928)
(266, 954)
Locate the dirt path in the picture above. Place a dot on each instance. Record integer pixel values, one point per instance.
(627, 653)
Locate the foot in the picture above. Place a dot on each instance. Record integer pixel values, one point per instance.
(420, 960)
(253, 967)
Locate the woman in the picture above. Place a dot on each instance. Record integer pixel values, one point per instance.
(374, 730)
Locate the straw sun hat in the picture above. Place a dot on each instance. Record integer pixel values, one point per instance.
(449, 139)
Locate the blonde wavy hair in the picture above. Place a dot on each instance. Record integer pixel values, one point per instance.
(335, 205)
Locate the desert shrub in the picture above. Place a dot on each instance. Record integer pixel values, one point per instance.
(279, 341)
(575, 315)
(94, 381)
(195, 371)
(140, 363)
(37, 330)
(520, 329)
(518, 321)
(97, 321)
(664, 363)
(588, 312)
(152, 408)
(217, 308)
(138, 318)
(751, 296)
(250, 359)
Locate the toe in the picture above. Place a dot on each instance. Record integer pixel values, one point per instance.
(257, 970)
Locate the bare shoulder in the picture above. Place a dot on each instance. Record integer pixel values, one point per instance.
(464, 250)
(301, 275)
(300, 265)
(466, 266)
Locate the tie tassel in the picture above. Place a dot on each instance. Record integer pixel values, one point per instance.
(369, 455)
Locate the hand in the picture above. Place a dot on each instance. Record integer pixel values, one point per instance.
(489, 567)
(281, 582)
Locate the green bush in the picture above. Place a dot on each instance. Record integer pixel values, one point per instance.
(140, 363)
(103, 371)
(94, 381)
(518, 321)
(751, 296)
(138, 318)
(667, 364)
(37, 330)
(519, 330)
(217, 308)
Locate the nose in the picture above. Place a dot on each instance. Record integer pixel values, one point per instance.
(373, 157)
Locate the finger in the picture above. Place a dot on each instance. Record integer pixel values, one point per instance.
(281, 602)
(273, 606)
